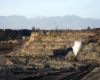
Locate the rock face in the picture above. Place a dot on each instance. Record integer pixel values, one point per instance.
(59, 43)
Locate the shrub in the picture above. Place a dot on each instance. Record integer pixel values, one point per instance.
(88, 28)
(33, 28)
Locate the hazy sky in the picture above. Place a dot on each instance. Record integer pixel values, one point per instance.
(48, 8)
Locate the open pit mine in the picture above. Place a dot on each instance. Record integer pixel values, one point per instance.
(48, 55)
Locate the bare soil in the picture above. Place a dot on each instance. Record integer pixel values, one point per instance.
(27, 68)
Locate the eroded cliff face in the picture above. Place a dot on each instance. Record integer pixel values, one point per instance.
(59, 43)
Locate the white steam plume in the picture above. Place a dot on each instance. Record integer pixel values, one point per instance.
(76, 47)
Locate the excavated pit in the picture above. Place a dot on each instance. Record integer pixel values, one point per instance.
(49, 56)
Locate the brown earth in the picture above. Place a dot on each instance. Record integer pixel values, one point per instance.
(32, 59)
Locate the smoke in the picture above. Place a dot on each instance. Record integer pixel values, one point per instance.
(76, 47)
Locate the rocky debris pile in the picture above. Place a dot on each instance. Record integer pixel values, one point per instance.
(59, 45)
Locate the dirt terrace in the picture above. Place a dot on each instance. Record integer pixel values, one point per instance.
(48, 55)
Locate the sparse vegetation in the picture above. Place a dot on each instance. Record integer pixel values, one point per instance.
(88, 28)
(33, 28)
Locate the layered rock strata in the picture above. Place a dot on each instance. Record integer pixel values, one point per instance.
(58, 44)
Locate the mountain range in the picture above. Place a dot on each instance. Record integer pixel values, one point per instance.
(65, 22)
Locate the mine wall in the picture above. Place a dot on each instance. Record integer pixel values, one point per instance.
(59, 44)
